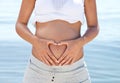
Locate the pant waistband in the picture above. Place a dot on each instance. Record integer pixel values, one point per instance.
(78, 64)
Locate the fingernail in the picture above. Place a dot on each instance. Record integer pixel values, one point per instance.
(59, 64)
(55, 44)
(59, 43)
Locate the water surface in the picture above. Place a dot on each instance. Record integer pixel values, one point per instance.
(101, 55)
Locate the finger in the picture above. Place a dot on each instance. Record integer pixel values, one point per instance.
(46, 61)
(50, 60)
(51, 42)
(47, 41)
(73, 60)
(68, 61)
(51, 55)
(64, 60)
(41, 59)
(63, 43)
(64, 55)
(53, 58)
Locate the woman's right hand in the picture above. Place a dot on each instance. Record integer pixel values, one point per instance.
(42, 49)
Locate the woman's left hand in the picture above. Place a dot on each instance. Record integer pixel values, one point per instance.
(71, 52)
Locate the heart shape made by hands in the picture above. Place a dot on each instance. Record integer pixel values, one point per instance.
(57, 50)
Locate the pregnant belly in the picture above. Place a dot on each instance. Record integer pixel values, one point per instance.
(57, 34)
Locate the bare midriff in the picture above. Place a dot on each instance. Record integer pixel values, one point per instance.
(58, 31)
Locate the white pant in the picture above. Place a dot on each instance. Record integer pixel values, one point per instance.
(39, 72)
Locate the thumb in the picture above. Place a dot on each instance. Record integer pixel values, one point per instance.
(51, 42)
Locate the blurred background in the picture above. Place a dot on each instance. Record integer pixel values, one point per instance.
(102, 55)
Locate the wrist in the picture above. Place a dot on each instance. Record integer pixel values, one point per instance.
(34, 39)
(82, 41)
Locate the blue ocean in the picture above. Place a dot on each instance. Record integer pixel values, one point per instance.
(102, 55)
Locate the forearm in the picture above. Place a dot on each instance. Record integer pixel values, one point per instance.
(90, 34)
(23, 31)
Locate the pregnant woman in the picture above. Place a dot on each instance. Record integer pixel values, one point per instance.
(57, 46)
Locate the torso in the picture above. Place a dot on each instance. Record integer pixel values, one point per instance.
(58, 30)
(47, 13)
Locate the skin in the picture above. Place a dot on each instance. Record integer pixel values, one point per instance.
(57, 42)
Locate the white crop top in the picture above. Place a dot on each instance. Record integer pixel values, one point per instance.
(67, 10)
